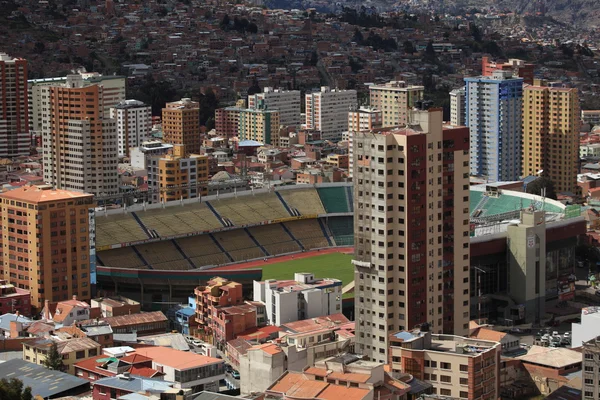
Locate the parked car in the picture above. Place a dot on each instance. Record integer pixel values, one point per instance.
(228, 368)
(197, 343)
(235, 374)
(515, 330)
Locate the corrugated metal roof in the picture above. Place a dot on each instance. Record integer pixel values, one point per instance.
(43, 382)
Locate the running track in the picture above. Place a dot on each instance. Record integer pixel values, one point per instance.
(278, 259)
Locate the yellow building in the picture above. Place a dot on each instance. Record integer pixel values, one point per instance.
(259, 124)
(46, 242)
(176, 177)
(181, 124)
(551, 122)
(72, 351)
(395, 99)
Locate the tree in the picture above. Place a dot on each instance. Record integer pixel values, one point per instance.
(409, 48)
(358, 36)
(208, 104)
(254, 88)
(252, 28)
(13, 390)
(540, 183)
(476, 33)
(54, 359)
(225, 22)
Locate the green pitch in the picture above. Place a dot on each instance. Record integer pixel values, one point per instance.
(334, 265)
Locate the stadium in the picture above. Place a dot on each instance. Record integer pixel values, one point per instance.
(158, 253)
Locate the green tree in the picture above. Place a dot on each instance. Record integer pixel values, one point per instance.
(54, 359)
(13, 390)
(208, 105)
(409, 48)
(540, 183)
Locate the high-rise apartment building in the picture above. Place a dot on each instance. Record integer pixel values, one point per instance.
(551, 124)
(327, 111)
(15, 139)
(411, 245)
(395, 99)
(113, 90)
(457, 107)
(362, 119)
(259, 124)
(493, 114)
(287, 102)
(79, 141)
(591, 117)
(518, 68)
(181, 124)
(227, 121)
(46, 242)
(134, 123)
(177, 176)
(591, 369)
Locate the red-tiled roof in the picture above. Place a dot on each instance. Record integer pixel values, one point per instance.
(135, 358)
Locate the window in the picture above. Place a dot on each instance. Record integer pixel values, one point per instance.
(445, 365)
(445, 378)
(464, 381)
(80, 354)
(445, 392)
(464, 395)
(464, 368)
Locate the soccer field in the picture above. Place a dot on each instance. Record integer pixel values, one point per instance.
(334, 265)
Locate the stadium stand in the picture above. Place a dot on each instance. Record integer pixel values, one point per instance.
(306, 201)
(160, 252)
(342, 229)
(308, 232)
(251, 209)
(172, 220)
(202, 251)
(124, 257)
(274, 239)
(175, 265)
(116, 229)
(334, 199)
(239, 245)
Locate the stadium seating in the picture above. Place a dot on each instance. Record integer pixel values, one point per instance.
(250, 209)
(202, 251)
(239, 245)
(175, 265)
(274, 239)
(173, 220)
(124, 257)
(159, 252)
(306, 201)
(309, 233)
(342, 229)
(116, 229)
(334, 199)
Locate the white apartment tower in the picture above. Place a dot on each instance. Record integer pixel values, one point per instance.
(411, 244)
(327, 111)
(79, 143)
(395, 99)
(14, 121)
(457, 107)
(134, 123)
(287, 102)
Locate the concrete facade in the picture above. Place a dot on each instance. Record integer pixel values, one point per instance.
(302, 298)
(327, 111)
(79, 148)
(527, 261)
(411, 244)
(395, 99)
(286, 102)
(591, 372)
(134, 123)
(457, 107)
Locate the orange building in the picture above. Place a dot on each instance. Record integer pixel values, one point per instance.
(519, 67)
(181, 124)
(14, 110)
(79, 141)
(46, 242)
(175, 177)
(218, 293)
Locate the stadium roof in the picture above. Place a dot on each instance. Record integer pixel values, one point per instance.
(44, 382)
(508, 201)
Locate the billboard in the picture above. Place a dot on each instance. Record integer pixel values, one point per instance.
(572, 211)
(566, 290)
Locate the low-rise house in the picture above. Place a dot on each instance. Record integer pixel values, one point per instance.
(71, 350)
(116, 305)
(188, 370)
(141, 323)
(14, 299)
